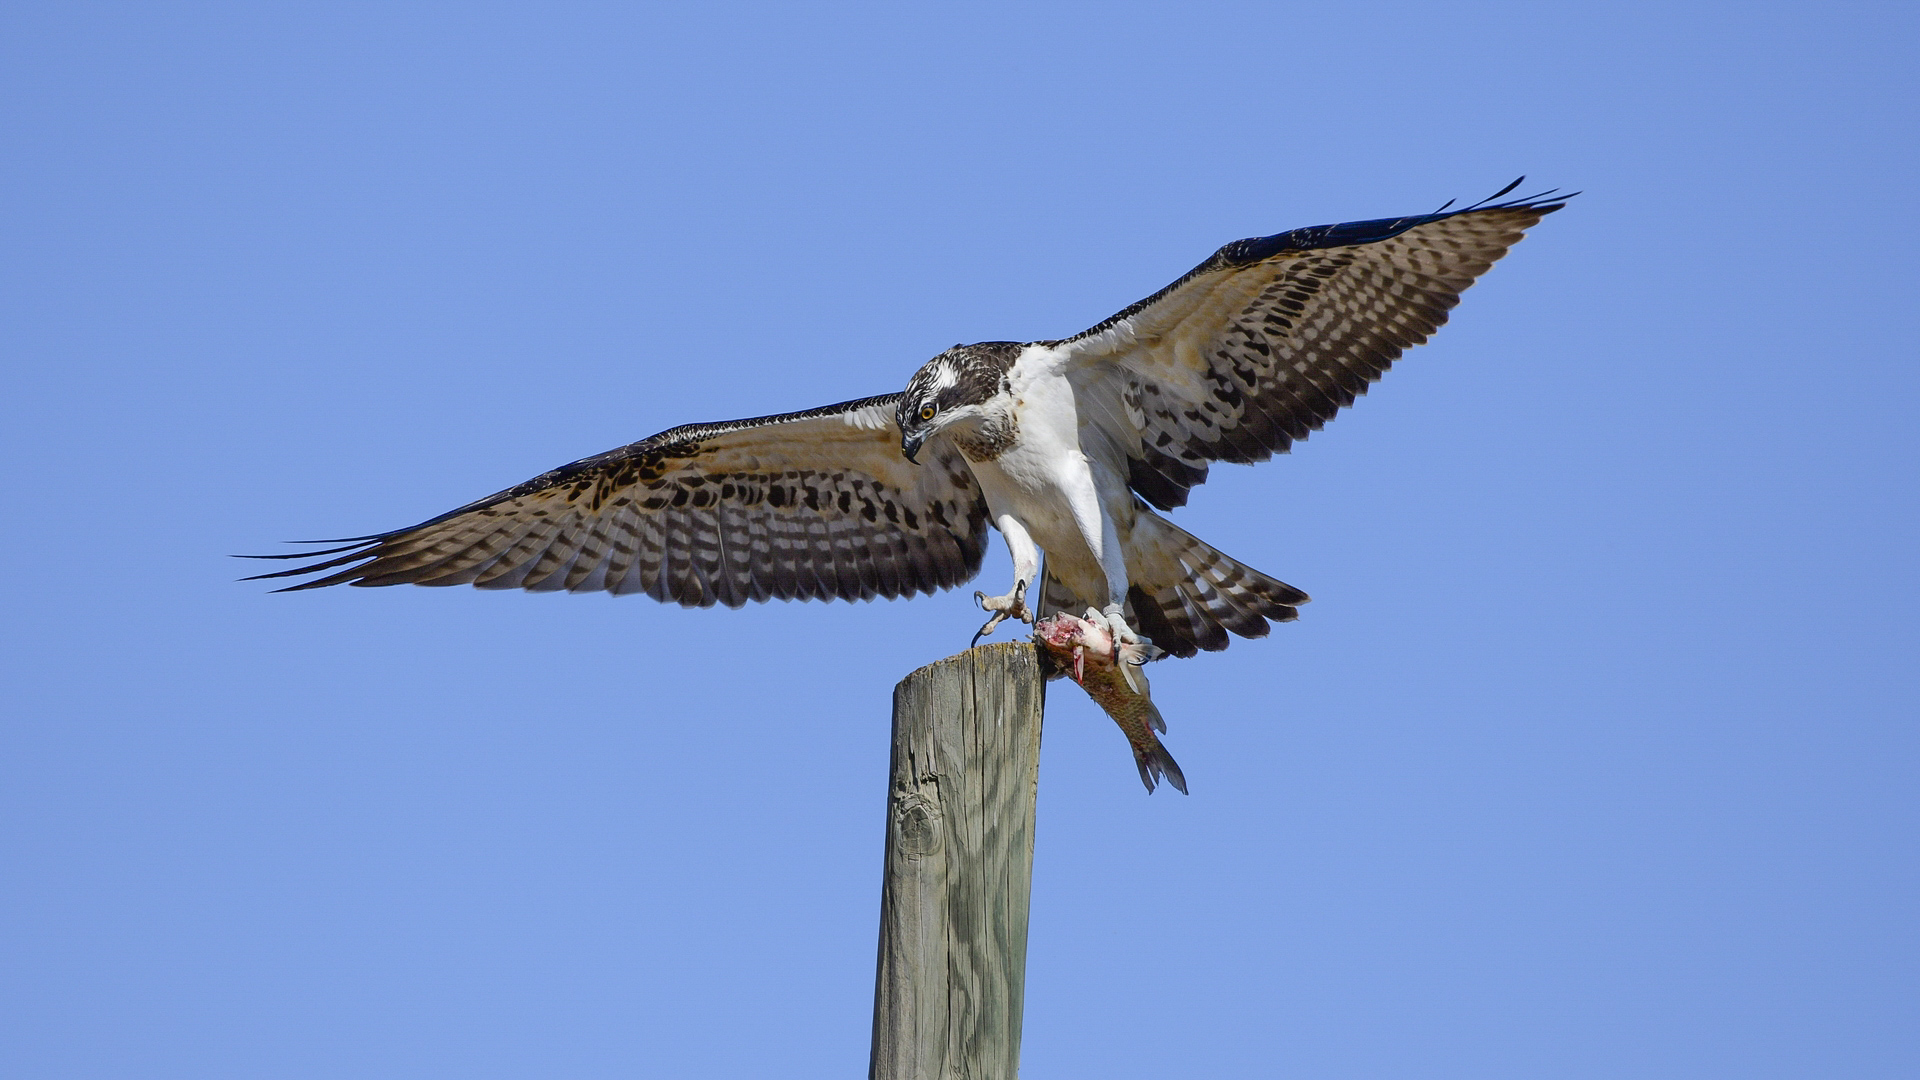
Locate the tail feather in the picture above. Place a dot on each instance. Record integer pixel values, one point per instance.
(1187, 596)
(1184, 594)
(1054, 596)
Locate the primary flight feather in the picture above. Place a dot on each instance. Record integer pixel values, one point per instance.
(1066, 446)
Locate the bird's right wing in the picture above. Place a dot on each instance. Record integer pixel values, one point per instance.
(815, 504)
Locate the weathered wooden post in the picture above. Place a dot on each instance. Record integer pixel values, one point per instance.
(959, 867)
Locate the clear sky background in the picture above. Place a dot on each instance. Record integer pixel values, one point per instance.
(1594, 755)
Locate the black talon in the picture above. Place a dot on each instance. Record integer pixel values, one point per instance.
(998, 618)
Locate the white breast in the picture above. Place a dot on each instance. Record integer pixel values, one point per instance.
(1044, 474)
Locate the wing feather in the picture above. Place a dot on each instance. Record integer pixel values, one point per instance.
(817, 504)
(1259, 346)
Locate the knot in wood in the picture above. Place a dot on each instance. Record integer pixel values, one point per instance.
(916, 824)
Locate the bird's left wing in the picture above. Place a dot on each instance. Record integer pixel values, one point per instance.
(815, 504)
(1262, 343)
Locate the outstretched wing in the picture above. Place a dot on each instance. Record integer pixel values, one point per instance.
(1262, 343)
(804, 505)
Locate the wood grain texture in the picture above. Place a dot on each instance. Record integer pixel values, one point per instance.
(951, 981)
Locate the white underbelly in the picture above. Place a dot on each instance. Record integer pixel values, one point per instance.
(1042, 503)
(1044, 478)
(1038, 482)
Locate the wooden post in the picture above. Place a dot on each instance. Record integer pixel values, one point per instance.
(959, 867)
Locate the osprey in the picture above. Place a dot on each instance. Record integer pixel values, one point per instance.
(1068, 447)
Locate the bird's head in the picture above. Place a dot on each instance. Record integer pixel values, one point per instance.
(952, 388)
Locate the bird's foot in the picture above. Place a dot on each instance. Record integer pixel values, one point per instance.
(1114, 620)
(1011, 606)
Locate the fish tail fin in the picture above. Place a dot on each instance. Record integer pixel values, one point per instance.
(1156, 764)
(1152, 757)
(1155, 757)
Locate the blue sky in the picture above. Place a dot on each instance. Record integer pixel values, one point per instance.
(1593, 756)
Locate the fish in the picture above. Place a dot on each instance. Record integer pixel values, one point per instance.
(1083, 650)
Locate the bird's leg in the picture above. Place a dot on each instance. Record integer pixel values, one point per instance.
(1026, 563)
(1095, 523)
(1113, 562)
(1113, 618)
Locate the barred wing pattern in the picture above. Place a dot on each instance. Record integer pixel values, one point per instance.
(816, 504)
(1264, 342)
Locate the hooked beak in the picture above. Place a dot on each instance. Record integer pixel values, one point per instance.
(910, 445)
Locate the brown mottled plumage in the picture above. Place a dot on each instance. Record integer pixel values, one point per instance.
(1067, 446)
(812, 505)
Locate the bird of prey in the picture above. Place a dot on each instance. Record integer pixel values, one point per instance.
(1068, 447)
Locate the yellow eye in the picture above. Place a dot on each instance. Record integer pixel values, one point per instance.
(926, 412)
